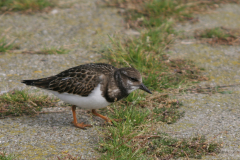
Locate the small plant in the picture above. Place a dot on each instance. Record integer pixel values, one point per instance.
(215, 33)
(67, 156)
(165, 147)
(159, 72)
(140, 114)
(219, 35)
(25, 5)
(20, 102)
(167, 112)
(151, 13)
(4, 45)
(119, 138)
(4, 156)
(135, 138)
(53, 50)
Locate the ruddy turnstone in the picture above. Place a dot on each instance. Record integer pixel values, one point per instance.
(91, 86)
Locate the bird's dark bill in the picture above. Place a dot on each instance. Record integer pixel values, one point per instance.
(144, 88)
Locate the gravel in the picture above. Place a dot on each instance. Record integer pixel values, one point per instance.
(83, 29)
(216, 116)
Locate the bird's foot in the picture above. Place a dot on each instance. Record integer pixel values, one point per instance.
(81, 125)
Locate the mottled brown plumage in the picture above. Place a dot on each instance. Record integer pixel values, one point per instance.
(80, 80)
(92, 86)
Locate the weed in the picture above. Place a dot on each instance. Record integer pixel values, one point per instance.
(25, 5)
(215, 33)
(20, 102)
(165, 147)
(119, 139)
(67, 156)
(159, 72)
(219, 35)
(134, 137)
(4, 45)
(151, 13)
(160, 106)
(209, 89)
(4, 156)
(53, 50)
(154, 13)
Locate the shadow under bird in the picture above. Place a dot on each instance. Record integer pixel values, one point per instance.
(91, 86)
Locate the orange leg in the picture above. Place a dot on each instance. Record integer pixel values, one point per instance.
(101, 116)
(80, 125)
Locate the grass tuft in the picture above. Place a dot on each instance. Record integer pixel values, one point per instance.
(118, 141)
(53, 50)
(4, 156)
(146, 55)
(20, 102)
(141, 115)
(214, 33)
(135, 136)
(219, 35)
(151, 13)
(165, 147)
(4, 45)
(67, 156)
(27, 6)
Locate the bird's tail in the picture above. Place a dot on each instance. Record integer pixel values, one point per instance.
(30, 82)
(41, 83)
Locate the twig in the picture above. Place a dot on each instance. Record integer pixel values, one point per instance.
(191, 4)
(214, 137)
(186, 155)
(51, 112)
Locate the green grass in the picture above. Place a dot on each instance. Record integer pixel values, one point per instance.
(215, 33)
(147, 52)
(164, 146)
(20, 102)
(141, 114)
(151, 13)
(5, 45)
(4, 156)
(53, 50)
(146, 55)
(218, 35)
(25, 5)
(135, 136)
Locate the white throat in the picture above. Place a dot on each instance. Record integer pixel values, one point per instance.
(133, 88)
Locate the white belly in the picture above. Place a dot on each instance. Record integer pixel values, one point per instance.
(93, 101)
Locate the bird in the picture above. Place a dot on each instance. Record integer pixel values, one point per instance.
(91, 86)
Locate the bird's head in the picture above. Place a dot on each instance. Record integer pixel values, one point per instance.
(131, 79)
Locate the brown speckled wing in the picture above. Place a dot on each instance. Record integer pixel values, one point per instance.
(77, 83)
(79, 80)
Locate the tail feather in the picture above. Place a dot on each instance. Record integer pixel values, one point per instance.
(29, 82)
(41, 83)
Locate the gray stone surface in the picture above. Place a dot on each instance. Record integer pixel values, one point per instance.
(48, 136)
(217, 114)
(226, 15)
(83, 29)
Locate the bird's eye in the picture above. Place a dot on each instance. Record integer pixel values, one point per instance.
(134, 79)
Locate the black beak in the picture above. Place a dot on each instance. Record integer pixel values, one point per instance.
(144, 88)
